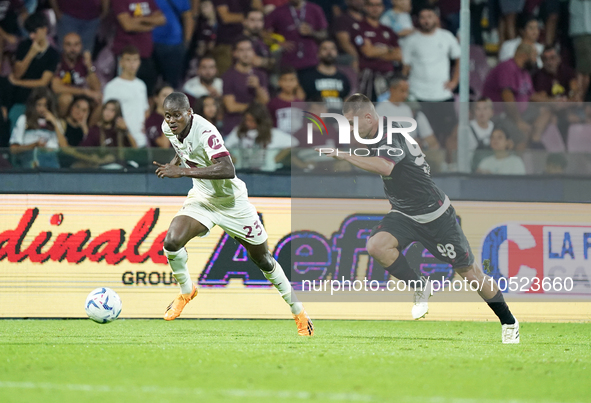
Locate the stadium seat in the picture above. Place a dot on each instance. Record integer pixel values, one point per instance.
(552, 140)
(579, 138)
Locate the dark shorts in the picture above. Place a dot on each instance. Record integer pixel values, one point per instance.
(442, 237)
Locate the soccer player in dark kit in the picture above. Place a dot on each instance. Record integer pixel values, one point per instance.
(420, 212)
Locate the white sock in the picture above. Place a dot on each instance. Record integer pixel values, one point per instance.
(178, 263)
(278, 278)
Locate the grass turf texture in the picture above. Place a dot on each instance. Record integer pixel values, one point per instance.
(260, 361)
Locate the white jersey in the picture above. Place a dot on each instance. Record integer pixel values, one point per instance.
(204, 143)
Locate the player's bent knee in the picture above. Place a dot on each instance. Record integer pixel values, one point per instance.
(173, 243)
(264, 261)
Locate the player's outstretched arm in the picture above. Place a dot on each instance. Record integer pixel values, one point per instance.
(222, 168)
(376, 165)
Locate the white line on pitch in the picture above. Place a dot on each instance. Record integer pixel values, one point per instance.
(250, 393)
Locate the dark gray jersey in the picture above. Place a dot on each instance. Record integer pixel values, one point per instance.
(409, 186)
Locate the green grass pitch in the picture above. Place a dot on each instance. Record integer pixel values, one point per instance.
(265, 361)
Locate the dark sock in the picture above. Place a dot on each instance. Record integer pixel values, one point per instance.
(500, 308)
(401, 270)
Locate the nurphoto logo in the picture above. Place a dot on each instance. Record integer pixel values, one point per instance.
(392, 123)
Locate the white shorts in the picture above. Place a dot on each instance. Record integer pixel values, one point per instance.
(238, 217)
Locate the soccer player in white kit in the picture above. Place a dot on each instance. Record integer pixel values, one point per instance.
(218, 197)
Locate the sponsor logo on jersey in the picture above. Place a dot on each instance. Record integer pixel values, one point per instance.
(214, 141)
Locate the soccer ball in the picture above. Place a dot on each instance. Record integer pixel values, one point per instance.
(103, 305)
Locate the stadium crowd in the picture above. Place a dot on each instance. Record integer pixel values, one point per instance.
(94, 73)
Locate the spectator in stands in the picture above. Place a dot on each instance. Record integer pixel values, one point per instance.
(4, 123)
(75, 75)
(580, 31)
(270, 5)
(37, 135)
(377, 46)
(557, 80)
(111, 130)
(82, 17)
(330, 8)
(75, 126)
(426, 58)
(346, 27)
(12, 15)
(510, 83)
(326, 80)
(551, 10)
(135, 23)
(529, 32)
(75, 123)
(154, 122)
(302, 24)
(481, 128)
(131, 93)
(556, 164)
(259, 143)
(503, 162)
(35, 64)
(206, 32)
(399, 20)
(172, 40)
(208, 107)
(283, 114)
(509, 9)
(230, 16)
(243, 84)
(253, 30)
(450, 14)
(206, 82)
(395, 107)
(427, 54)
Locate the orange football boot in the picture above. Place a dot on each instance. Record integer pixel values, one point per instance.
(305, 326)
(178, 304)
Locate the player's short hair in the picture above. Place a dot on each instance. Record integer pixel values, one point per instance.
(239, 40)
(178, 99)
(287, 70)
(356, 103)
(35, 21)
(130, 50)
